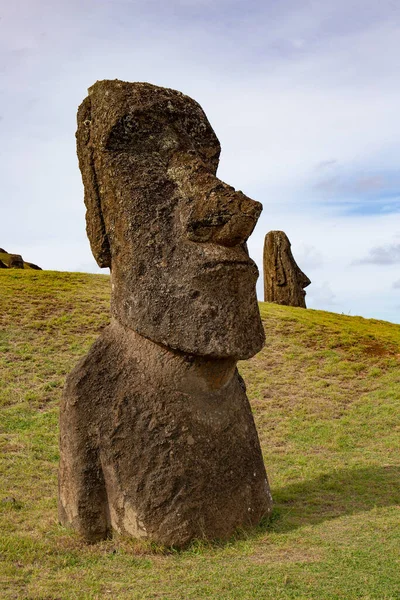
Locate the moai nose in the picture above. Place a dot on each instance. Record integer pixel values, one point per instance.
(222, 216)
(303, 280)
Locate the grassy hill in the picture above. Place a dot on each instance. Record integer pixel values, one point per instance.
(325, 392)
(5, 258)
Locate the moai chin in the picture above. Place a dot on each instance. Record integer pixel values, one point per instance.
(157, 438)
(284, 281)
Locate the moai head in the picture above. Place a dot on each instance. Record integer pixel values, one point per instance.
(284, 281)
(16, 261)
(173, 235)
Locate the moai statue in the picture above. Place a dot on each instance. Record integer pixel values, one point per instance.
(157, 437)
(284, 282)
(16, 261)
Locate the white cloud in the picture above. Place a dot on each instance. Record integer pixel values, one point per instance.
(321, 295)
(382, 255)
(308, 257)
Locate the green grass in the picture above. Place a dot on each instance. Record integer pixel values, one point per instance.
(325, 392)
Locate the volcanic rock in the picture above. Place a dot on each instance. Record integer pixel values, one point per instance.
(284, 281)
(16, 261)
(157, 439)
(33, 266)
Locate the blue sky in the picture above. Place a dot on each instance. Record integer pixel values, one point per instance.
(304, 97)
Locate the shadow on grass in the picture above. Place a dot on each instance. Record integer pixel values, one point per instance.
(329, 496)
(332, 495)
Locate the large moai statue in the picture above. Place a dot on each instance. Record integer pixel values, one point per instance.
(284, 281)
(157, 438)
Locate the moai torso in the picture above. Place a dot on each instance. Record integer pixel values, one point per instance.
(168, 451)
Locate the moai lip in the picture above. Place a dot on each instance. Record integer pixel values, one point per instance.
(157, 437)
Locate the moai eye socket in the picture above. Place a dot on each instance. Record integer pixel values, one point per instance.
(135, 133)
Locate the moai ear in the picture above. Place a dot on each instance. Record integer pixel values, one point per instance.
(279, 266)
(95, 227)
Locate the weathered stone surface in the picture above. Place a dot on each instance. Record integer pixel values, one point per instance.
(159, 444)
(16, 261)
(173, 232)
(284, 281)
(157, 437)
(3, 265)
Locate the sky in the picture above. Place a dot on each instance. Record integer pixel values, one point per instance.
(304, 97)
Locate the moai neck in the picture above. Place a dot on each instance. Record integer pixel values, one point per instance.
(187, 372)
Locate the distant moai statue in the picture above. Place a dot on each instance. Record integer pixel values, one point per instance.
(16, 261)
(157, 438)
(284, 281)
